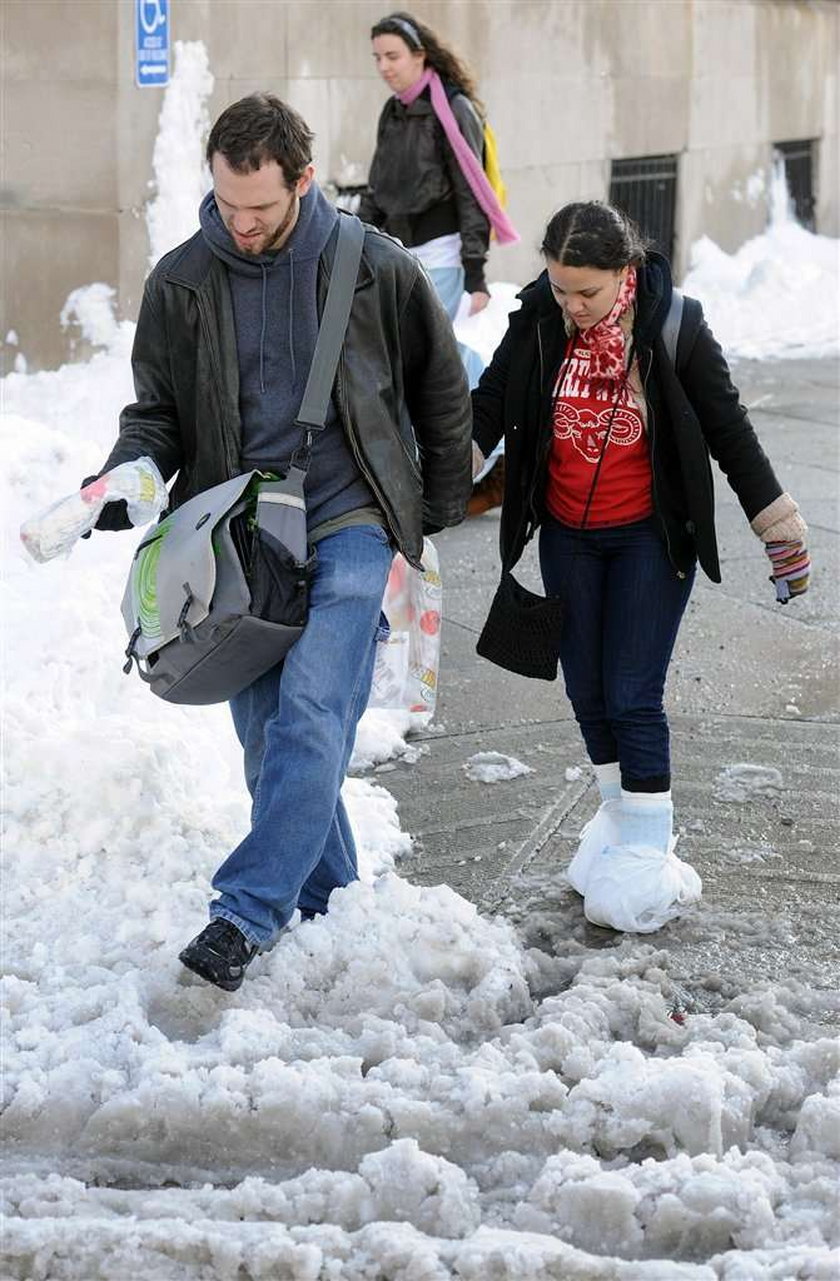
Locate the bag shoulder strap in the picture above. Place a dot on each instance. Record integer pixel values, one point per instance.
(510, 561)
(671, 328)
(316, 397)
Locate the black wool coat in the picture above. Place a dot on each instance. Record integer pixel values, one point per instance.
(693, 416)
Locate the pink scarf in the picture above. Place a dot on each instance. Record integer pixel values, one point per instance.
(605, 340)
(471, 166)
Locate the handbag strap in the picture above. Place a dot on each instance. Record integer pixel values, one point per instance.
(314, 406)
(508, 564)
(608, 433)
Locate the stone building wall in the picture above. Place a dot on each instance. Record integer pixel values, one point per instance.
(570, 86)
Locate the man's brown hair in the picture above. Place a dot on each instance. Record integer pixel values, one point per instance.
(258, 129)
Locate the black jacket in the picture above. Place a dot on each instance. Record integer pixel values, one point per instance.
(690, 417)
(416, 188)
(400, 387)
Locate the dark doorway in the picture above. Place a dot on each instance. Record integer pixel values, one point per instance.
(798, 160)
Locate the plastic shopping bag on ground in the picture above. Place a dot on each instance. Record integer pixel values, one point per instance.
(54, 531)
(638, 889)
(407, 660)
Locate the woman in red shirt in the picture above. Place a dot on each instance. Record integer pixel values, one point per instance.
(607, 440)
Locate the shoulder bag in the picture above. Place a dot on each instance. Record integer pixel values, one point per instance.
(218, 592)
(523, 630)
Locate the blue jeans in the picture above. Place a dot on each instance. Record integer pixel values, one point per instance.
(297, 726)
(624, 603)
(449, 287)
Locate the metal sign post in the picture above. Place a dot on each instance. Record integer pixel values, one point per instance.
(151, 65)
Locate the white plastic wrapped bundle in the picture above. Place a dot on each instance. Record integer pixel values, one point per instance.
(53, 532)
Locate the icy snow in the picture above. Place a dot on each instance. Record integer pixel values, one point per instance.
(741, 782)
(494, 767)
(401, 1090)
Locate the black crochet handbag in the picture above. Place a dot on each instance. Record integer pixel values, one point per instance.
(522, 631)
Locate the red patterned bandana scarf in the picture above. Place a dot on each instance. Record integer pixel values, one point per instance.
(605, 340)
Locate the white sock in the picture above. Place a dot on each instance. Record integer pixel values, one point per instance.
(644, 798)
(608, 778)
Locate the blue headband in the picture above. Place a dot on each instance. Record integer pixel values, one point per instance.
(409, 30)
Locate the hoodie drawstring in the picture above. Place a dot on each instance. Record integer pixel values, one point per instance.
(291, 320)
(262, 330)
(292, 313)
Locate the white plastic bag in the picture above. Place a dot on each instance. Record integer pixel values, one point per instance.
(405, 674)
(637, 889)
(601, 830)
(54, 531)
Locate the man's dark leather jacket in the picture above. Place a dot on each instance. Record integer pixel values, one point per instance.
(400, 387)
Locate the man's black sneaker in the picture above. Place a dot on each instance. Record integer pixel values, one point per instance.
(220, 954)
(308, 913)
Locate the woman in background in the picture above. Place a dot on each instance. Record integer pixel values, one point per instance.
(419, 190)
(427, 184)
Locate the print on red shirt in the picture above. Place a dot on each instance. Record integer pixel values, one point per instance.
(580, 421)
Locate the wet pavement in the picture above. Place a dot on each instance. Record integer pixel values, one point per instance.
(751, 683)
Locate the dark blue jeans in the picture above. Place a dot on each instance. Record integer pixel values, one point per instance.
(624, 602)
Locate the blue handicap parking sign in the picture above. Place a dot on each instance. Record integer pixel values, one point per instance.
(152, 45)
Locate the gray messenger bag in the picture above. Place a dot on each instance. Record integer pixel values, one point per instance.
(218, 592)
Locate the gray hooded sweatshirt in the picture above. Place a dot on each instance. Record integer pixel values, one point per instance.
(276, 316)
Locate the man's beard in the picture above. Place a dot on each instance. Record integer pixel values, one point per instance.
(281, 230)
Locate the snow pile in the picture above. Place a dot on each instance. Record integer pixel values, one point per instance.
(778, 295)
(494, 767)
(384, 1091)
(181, 173)
(92, 309)
(400, 1089)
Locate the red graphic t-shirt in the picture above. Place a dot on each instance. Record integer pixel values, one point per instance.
(580, 419)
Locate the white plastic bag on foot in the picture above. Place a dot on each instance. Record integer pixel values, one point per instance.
(637, 889)
(600, 831)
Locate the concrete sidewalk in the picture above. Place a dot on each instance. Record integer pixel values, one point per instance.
(751, 682)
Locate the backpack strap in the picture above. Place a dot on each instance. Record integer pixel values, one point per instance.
(491, 164)
(671, 329)
(312, 414)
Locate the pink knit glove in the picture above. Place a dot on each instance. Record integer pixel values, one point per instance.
(791, 568)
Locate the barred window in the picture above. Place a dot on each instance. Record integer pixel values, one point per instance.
(645, 187)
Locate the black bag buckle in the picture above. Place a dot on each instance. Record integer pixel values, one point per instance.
(302, 456)
(129, 653)
(185, 630)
